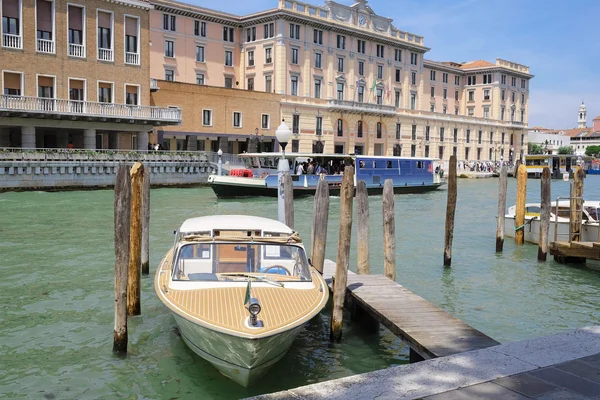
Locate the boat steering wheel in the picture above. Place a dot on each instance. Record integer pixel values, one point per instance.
(278, 268)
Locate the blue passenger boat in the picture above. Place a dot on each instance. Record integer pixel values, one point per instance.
(259, 176)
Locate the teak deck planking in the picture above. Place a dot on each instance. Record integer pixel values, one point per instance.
(428, 330)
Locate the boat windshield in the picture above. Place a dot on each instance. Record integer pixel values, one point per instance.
(277, 262)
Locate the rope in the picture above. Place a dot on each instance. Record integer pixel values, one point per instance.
(293, 238)
(526, 223)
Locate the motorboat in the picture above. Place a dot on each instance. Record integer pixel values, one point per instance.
(559, 217)
(259, 177)
(240, 289)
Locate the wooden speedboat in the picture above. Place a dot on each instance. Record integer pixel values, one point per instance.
(240, 289)
(559, 217)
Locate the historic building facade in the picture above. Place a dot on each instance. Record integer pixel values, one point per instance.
(348, 79)
(76, 73)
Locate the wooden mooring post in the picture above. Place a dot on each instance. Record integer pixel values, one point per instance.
(520, 205)
(135, 241)
(544, 214)
(318, 238)
(288, 188)
(343, 256)
(146, 222)
(389, 231)
(362, 243)
(450, 211)
(576, 205)
(122, 205)
(502, 185)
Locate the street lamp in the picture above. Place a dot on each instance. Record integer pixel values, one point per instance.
(283, 135)
(220, 162)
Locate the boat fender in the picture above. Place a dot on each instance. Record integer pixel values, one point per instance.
(264, 175)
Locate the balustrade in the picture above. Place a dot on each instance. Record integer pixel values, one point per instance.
(45, 46)
(76, 50)
(12, 41)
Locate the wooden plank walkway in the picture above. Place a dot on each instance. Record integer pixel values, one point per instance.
(427, 329)
(575, 250)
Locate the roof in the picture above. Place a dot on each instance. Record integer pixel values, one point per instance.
(477, 64)
(597, 118)
(234, 223)
(577, 131)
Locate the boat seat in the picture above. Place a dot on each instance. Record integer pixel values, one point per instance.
(197, 266)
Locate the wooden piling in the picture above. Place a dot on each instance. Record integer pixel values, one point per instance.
(362, 211)
(520, 204)
(389, 231)
(450, 211)
(122, 219)
(544, 214)
(343, 256)
(318, 238)
(146, 222)
(501, 209)
(135, 241)
(288, 190)
(576, 205)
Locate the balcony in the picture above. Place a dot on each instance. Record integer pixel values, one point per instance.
(154, 85)
(76, 50)
(37, 107)
(45, 46)
(132, 58)
(361, 108)
(12, 41)
(105, 55)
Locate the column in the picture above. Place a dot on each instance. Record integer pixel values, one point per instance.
(28, 137)
(142, 140)
(89, 139)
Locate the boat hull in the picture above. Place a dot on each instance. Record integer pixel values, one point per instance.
(242, 360)
(234, 190)
(532, 230)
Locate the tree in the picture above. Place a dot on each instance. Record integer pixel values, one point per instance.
(565, 150)
(533, 148)
(592, 151)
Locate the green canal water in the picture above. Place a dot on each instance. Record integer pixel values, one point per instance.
(56, 292)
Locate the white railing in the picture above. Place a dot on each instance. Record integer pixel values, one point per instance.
(76, 50)
(132, 58)
(11, 41)
(105, 54)
(153, 84)
(355, 105)
(45, 46)
(88, 108)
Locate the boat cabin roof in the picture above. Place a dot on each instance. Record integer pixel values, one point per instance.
(341, 156)
(233, 223)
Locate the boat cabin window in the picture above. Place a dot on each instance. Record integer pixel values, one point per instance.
(241, 261)
(533, 210)
(593, 212)
(420, 164)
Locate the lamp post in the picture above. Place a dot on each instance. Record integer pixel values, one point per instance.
(283, 135)
(220, 162)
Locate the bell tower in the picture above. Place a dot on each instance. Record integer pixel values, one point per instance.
(582, 121)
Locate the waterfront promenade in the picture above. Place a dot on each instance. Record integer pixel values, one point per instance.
(561, 366)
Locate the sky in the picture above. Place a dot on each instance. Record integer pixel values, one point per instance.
(557, 39)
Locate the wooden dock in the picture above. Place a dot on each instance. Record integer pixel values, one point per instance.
(427, 329)
(575, 251)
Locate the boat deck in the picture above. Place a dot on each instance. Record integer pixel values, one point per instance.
(223, 308)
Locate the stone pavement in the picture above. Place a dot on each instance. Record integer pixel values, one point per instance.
(557, 367)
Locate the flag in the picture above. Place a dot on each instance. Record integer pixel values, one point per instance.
(373, 88)
(248, 296)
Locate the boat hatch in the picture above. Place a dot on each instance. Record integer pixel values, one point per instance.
(242, 261)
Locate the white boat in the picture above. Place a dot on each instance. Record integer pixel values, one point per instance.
(241, 289)
(531, 228)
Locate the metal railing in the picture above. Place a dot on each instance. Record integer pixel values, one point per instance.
(45, 46)
(105, 54)
(88, 108)
(76, 50)
(572, 201)
(12, 41)
(132, 58)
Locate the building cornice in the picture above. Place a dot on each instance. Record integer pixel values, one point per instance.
(133, 3)
(481, 70)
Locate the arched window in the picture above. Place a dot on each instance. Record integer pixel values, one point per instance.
(360, 129)
(340, 127)
(379, 130)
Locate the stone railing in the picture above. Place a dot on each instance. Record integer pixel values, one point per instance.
(361, 107)
(88, 109)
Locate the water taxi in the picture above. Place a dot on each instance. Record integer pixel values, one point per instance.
(259, 176)
(558, 164)
(558, 218)
(241, 289)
